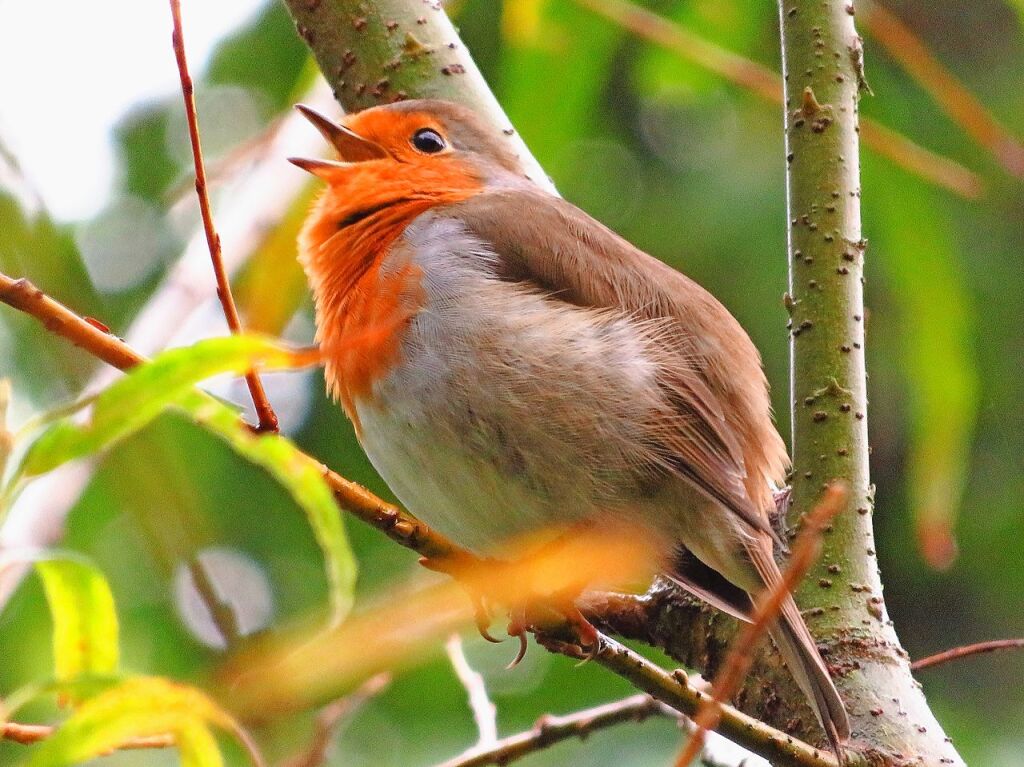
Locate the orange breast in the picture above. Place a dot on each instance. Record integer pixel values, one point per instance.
(366, 291)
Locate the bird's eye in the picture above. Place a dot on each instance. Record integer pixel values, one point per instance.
(428, 141)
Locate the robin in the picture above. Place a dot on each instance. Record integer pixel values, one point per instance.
(511, 364)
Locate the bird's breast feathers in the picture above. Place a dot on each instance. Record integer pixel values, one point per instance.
(506, 348)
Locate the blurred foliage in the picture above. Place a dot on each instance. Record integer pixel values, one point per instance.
(687, 167)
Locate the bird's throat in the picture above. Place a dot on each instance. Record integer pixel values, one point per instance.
(366, 290)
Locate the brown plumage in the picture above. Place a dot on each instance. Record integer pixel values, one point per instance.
(512, 364)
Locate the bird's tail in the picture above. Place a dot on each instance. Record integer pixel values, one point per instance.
(801, 655)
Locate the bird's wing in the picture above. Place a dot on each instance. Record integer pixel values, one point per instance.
(718, 435)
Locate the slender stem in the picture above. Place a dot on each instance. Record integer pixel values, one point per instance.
(331, 718)
(264, 411)
(822, 59)
(28, 734)
(967, 650)
(57, 318)
(767, 85)
(552, 729)
(480, 703)
(221, 614)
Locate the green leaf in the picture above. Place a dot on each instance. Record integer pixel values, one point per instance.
(139, 707)
(197, 747)
(302, 478)
(135, 400)
(85, 625)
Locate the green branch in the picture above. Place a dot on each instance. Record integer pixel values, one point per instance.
(382, 51)
(842, 596)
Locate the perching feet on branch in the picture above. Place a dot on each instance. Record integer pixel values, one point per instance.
(529, 611)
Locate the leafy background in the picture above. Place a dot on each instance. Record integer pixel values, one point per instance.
(687, 167)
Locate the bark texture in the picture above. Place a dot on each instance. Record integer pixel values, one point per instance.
(842, 596)
(378, 51)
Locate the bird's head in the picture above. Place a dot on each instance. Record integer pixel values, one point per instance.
(438, 142)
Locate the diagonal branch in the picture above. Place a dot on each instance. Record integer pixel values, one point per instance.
(331, 718)
(945, 89)
(267, 417)
(967, 650)
(553, 729)
(57, 318)
(767, 85)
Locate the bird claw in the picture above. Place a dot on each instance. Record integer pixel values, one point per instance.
(482, 618)
(521, 653)
(589, 637)
(454, 567)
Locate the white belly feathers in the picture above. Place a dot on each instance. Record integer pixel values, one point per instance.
(495, 383)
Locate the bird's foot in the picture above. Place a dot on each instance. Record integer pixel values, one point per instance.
(531, 613)
(582, 640)
(456, 567)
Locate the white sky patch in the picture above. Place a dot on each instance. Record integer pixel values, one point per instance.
(72, 69)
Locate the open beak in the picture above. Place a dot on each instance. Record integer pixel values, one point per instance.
(350, 146)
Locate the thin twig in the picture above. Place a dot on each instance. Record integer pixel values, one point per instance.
(673, 689)
(552, 729)
(260, 200)
(767, 607)
(267, 417)
(57, 318)
(945, 89)
(221, 613)
(357, 500)
(28, 734)
(330, 719)
(767, 84)
(967, 650)
(483, 708)
(669, 688)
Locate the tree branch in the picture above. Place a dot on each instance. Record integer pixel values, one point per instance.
(553, 729)
(388, 50)
(57, 318)
(967, 650)
(28, 734)
(331, 718)
(842, 600)
(265, 413)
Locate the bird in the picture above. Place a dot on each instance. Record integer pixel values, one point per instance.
(509, 363)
